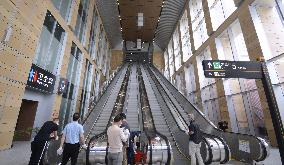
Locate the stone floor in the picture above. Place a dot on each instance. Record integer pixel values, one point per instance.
(20, 153)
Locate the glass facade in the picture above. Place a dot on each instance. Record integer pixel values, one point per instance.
(49, 49)
(177, 51)
(269, 24)
(242, 97)
(64, 7)
(93, 35)
(171, 58)
(80, 28)
(190, 85)
(86, 91)
(198, 23)
(70, 96)
(220, 10)
(208, 90)
(185, 37)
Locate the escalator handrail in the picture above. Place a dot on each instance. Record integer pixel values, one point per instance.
(157, 84)
(99, 115)
(88, 148)
(227, 156)
(196, 108)
(112, 80)
(164, 137)
(125, 82)
(201, 112)
(261, 143)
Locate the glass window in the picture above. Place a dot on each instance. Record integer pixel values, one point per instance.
(64, 6)
(86, 91)
(167, 71)
(208, 90)
(171, 58)
(177, 53)
(93, 32)
(242, 97)
(190, 84)
(80, 28)
(268, 22)
(49, 48)
(185, 37)
(220, 10)
(198, 23)
(69, 97)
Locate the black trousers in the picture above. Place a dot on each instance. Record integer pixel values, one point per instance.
(37, 148)
(70, 151)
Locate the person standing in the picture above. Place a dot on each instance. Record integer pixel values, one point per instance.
(40, 140)
(195, 138)
(125, 148)
(116, 136)
(72, 134)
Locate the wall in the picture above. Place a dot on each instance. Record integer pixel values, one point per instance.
(17, 52)
(116, 59)
(252, 45)
(158, 61)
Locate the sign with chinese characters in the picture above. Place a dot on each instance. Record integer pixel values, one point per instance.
(62, 85)
(232, 69)
(41, 79)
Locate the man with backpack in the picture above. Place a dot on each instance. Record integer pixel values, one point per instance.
(195, 138)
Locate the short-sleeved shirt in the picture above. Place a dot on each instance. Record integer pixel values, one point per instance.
(45, 131)
(72, 132)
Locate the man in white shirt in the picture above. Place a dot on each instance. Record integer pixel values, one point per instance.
(116, 136)
(72, 134)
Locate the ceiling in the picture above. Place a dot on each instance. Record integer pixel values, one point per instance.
(129, 10)
(120, 19)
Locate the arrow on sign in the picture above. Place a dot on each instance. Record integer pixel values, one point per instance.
(209, 64)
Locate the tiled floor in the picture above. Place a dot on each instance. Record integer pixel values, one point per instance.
(20, 153)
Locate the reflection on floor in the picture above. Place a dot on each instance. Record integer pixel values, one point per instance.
(20, 153)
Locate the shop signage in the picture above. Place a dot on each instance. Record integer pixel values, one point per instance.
(232, 69)
(62, 86)
(41, 79)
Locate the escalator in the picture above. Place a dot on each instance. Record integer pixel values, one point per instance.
(96, 121)
(131, 105)
(161, 123)
(155, 108)
(218, 146)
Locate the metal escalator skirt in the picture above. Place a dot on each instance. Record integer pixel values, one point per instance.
(159, 152)
(97, 153)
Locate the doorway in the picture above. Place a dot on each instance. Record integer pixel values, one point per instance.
(25, 122)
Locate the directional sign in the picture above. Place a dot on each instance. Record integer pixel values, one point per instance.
(232, 69)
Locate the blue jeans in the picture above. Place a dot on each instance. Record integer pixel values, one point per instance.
(114, 158)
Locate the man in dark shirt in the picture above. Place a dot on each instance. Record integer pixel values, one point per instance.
(195, 138)
(40, 141)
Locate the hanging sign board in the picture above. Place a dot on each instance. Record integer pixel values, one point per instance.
(232, 69)
(62, 86)
(41, 79)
